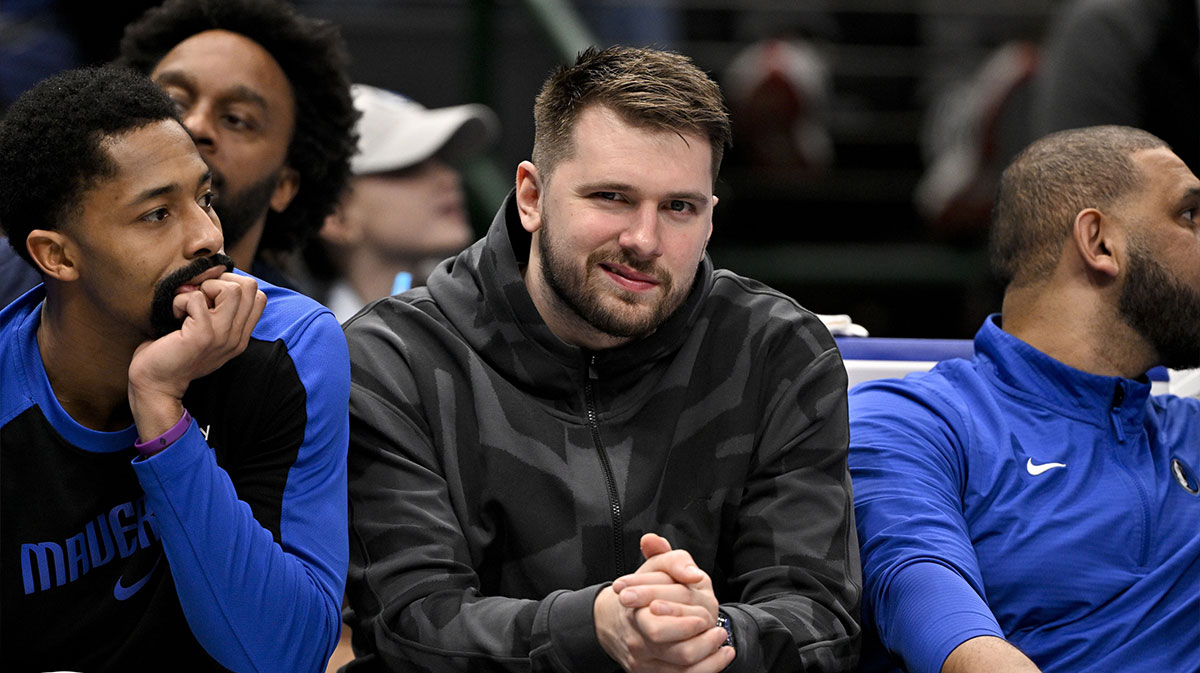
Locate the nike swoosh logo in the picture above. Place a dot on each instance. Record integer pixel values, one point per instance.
(1035, 470)
(123, 592)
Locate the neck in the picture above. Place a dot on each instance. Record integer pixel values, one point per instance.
(242, 253)
(86, 362)
(372, 275)
(1077, 328)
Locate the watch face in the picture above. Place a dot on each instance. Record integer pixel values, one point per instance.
(723, 622)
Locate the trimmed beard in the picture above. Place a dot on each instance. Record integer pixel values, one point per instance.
(584, 296)
(162, 306)
(1161, 309)
(240, 211)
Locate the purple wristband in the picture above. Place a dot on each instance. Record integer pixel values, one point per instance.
(153, 446)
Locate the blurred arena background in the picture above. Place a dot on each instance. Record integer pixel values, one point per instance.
(867, 133)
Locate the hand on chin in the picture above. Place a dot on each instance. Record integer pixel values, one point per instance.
(218, 318)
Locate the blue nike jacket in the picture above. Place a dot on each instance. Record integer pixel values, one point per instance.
(1012, 495)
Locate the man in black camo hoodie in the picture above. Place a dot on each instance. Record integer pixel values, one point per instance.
(583, 448)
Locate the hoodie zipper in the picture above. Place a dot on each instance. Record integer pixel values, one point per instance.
(1115, 413)
(614, 500)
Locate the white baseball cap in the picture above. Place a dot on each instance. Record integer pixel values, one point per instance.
(395, 132)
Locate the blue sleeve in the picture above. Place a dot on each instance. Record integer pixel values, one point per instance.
(932, 611)
(253, 604)
(922, 587)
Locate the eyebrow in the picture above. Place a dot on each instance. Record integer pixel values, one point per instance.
(1190, 195)
(624, 187)
(238, 93)
(155, 192)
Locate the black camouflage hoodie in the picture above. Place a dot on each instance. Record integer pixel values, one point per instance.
(499, 477)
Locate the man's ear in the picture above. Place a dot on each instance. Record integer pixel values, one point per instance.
(529, 196)
(286, 188)
(53, 254)
(1095, 238)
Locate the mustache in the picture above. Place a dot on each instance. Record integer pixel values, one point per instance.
(162, 312)
(182, 275)
(649, 267)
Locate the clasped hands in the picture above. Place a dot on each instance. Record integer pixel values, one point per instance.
(663, 617)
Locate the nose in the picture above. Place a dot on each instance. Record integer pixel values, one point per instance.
(641, 237)
(442, 171)
(198, 119)
(441, 176)
(203, 233)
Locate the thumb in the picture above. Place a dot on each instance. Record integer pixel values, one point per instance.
(653, 544)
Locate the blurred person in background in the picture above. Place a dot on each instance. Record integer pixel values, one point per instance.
(1131, 62)
(404, 209)
(265, 94)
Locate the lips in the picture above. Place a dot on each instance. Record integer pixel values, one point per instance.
(451, 211)
(630, 278)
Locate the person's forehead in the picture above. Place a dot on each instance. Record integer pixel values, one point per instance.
(600, 129)
(228, 62)
(1165, 173)
(155, 157)
(601, 121)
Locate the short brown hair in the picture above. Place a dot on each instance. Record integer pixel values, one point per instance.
(646, 87)
(1048, 184)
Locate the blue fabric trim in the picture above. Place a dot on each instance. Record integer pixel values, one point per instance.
(38, 385)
